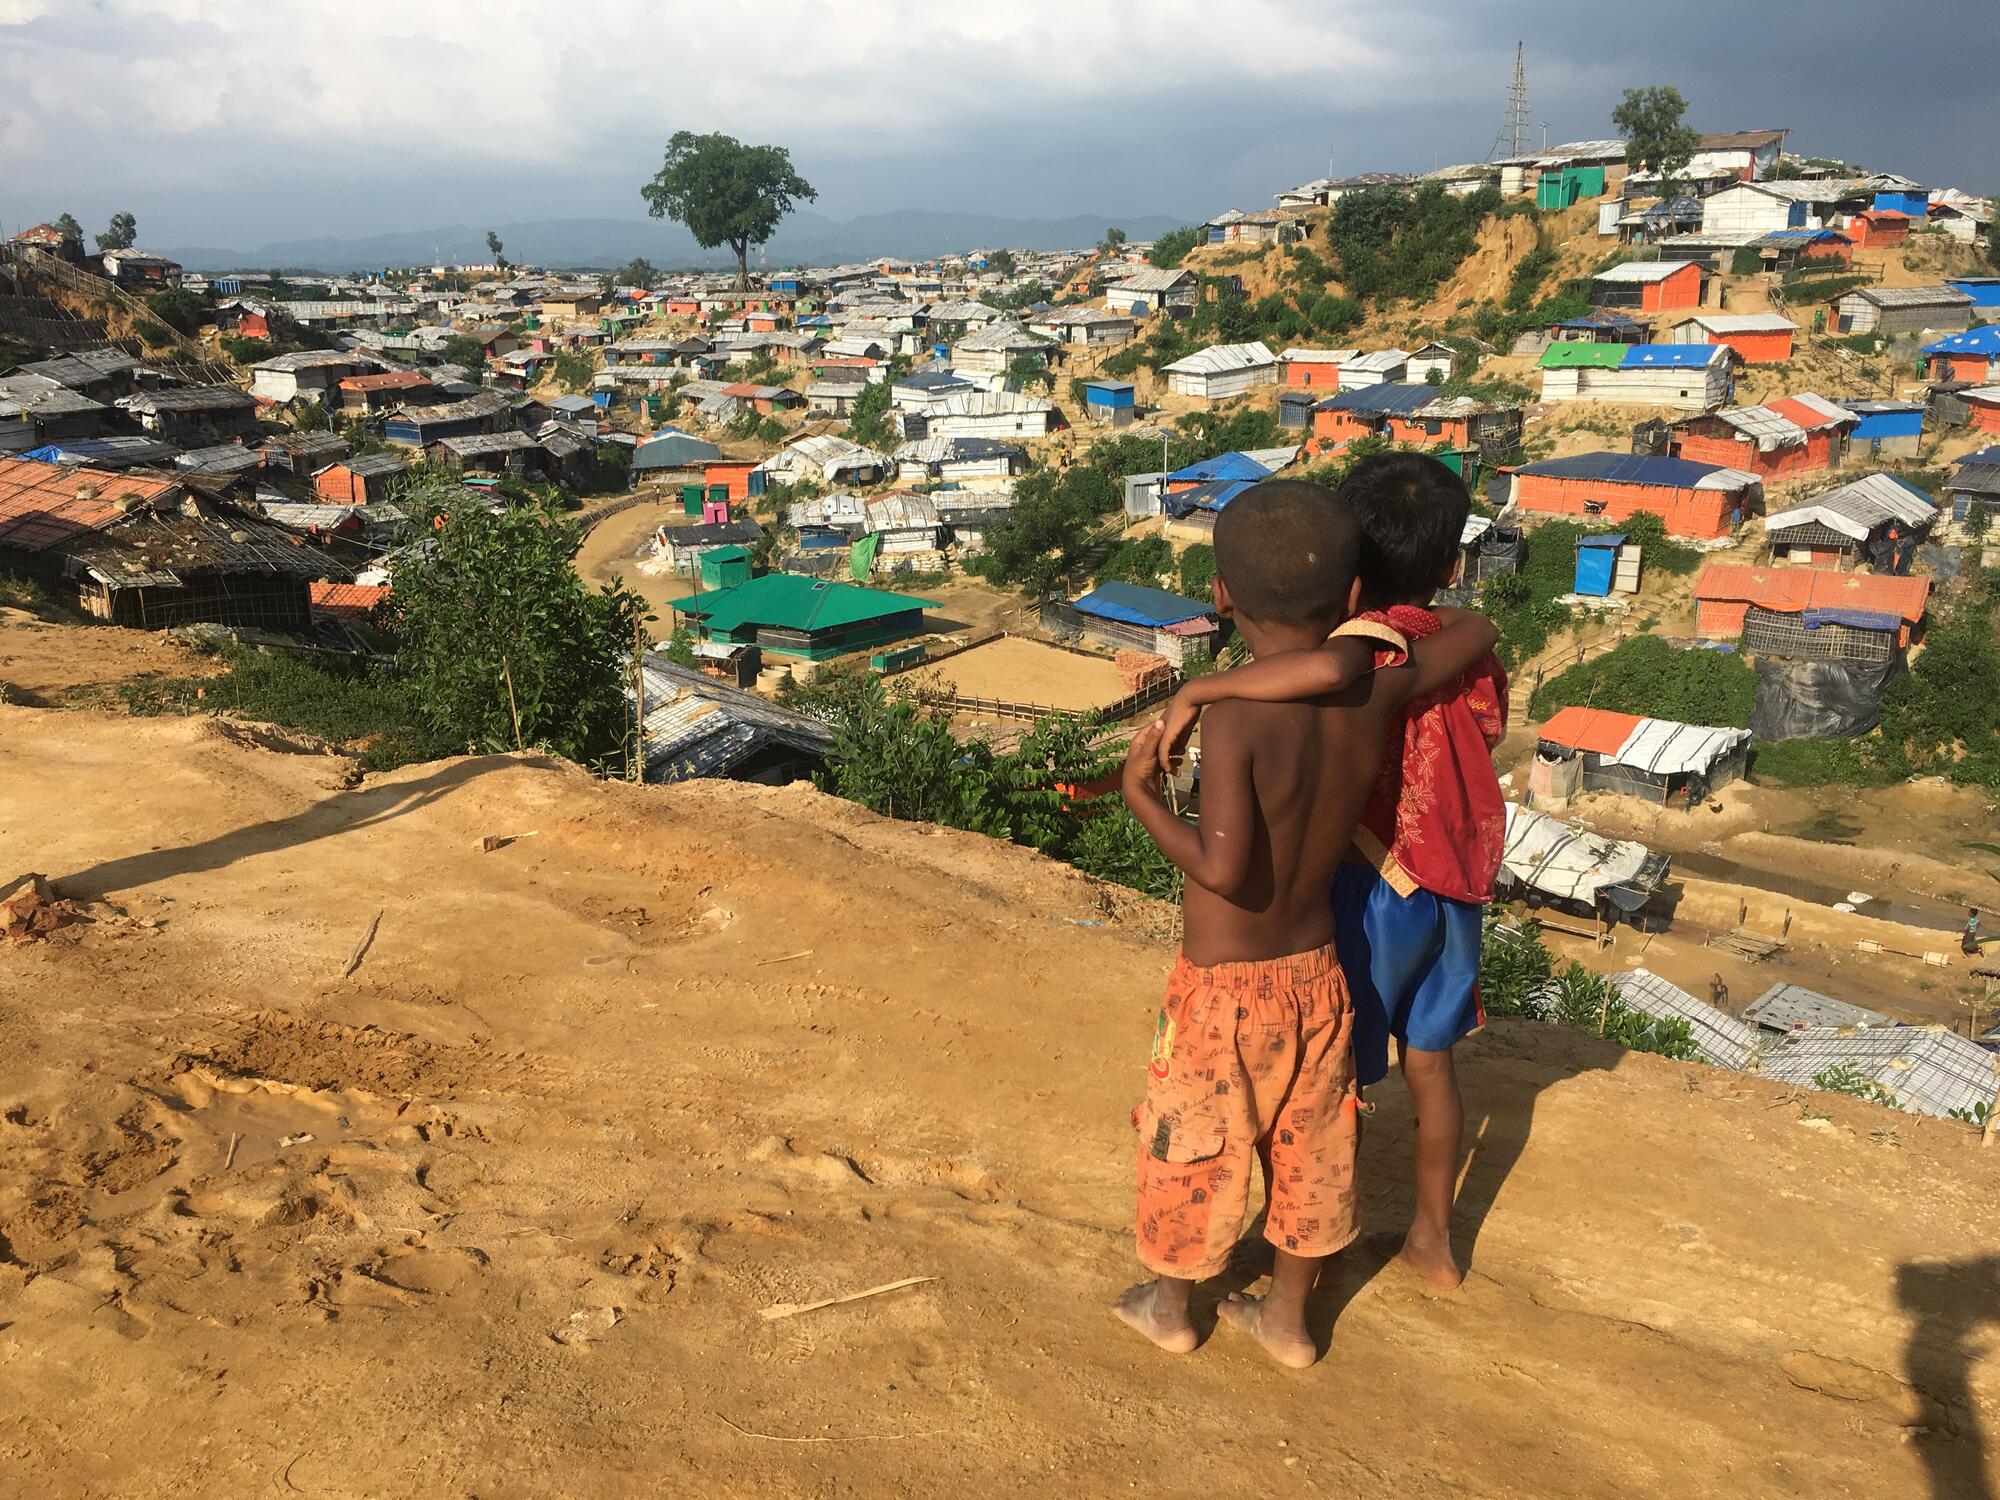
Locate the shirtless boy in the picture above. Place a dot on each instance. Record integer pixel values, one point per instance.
(1253, 1052)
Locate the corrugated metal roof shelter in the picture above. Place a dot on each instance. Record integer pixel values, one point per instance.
(1721, 1040)
(1788, 1007)
(697, 726)
(1219, 359)
(1926, 1069)
(1858, 508)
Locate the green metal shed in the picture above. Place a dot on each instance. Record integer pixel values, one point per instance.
(724, 567)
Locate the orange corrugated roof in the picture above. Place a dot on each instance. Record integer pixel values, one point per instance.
(1793, 590)
(347, 600)
(42, 504)
(388, 380)
(1598, 730)
(1797, 412)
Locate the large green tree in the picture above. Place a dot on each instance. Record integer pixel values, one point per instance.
(726, 193)
(71, 230)
(503, 644)
(122, 233)
(1655, 138)
(496, 250)
(639, 272)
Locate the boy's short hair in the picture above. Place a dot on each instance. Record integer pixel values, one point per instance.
(1411, 510)
(1287, 551)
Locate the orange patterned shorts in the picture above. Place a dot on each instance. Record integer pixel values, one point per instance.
(1249, 1060)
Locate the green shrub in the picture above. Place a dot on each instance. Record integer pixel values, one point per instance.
(350, 705)
(1648, 677)
(1746, 260)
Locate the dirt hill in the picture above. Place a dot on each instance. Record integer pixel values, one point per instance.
(339, 1157)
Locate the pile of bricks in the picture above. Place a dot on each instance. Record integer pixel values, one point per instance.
(1142, 669)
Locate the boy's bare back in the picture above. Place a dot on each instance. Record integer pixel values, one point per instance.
(1292, 779)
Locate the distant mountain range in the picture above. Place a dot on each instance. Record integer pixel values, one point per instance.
(806, 239)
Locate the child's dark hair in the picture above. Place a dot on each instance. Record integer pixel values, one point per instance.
(1411, 510)
(1287, 551)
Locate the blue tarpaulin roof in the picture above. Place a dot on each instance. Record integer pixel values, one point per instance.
(1860, 619)
(1973, 341)
(1601, 317)
(1683, 356)
(1614, 539)
(1212, 495)
(1801, 236)
(1385, 398)
(1624, 468)
(1222, 466)
(1130, 604)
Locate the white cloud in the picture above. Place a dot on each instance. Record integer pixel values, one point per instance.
(503, 80)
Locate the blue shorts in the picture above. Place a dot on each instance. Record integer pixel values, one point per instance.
(1412, 965)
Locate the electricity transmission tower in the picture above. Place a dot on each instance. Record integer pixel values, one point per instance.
(1515, 122)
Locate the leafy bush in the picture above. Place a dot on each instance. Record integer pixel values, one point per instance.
(1746, 260)
(1171, 248)
(1648, 677)
(1144, 561)
(1197, 571)
(179, 309)
(365, 707)
(1518, 977)
(899, 758)
(573, 371)
(1334, 315)
(1529, 272)
(1821, 288)
(868, 419)
(1395, 244)
(498, 636)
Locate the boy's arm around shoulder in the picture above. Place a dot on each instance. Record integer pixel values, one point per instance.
(1215, 852)
(1462, 640)
(1290, 677)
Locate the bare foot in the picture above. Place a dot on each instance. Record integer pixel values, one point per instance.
(1291, 1348)
(1431, 1258)
(1252, 1257)
(1141, 1308)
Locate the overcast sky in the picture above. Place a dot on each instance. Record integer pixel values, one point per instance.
(237, 122)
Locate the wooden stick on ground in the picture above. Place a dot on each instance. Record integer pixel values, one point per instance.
(785, 958)
(361, 948)
(230, 1160)
(793, 1309)
(858, 1437)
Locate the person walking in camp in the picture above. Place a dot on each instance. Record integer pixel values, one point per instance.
(1968, 937)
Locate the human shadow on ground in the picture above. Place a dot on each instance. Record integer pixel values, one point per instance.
(1953, 1306)
(343, 812)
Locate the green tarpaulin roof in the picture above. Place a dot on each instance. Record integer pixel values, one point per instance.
(1574, 354)
(791, 601)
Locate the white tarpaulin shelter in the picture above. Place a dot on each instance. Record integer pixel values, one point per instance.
(1560, 859)
(1664, 748)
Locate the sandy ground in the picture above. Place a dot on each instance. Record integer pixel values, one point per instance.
(1028, 671)
(615, 546)
(42, 663)
(498, 1213)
